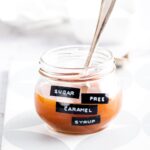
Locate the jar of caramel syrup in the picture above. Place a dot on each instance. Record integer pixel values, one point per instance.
(76, 100)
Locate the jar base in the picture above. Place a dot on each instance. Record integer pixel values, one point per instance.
(74, 133)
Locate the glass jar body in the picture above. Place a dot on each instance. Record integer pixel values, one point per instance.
(48, 106)
(78, 106)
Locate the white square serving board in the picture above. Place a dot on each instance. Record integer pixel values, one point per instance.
(24, 130)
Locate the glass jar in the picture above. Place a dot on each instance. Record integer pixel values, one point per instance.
(72, 99)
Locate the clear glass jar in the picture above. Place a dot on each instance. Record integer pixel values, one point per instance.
(72, 99)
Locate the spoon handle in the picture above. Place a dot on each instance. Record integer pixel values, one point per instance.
(102, 20)
(108, 14)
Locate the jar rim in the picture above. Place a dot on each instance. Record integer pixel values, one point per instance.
(51, 69)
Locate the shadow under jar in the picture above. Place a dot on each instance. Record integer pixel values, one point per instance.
(73, 100)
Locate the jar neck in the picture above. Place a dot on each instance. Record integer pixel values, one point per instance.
(67, 64)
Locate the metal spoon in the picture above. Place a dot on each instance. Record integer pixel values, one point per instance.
(104, 15)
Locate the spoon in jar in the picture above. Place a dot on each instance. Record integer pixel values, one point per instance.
(104, 14)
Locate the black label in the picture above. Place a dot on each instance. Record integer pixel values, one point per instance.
(83, 121)
(94, 98)
(65, 92)
(76, 108)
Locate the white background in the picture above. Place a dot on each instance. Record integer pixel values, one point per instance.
(27, 30)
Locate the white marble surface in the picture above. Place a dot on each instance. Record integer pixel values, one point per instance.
(3, 91)
(130, 130)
